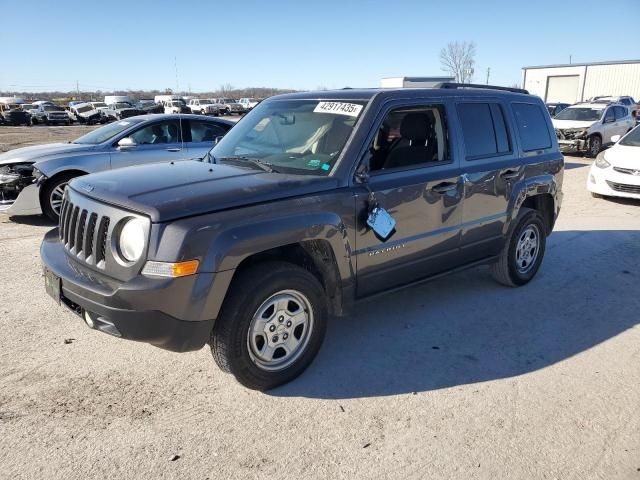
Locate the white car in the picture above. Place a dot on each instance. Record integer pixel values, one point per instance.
(248, 103)
(204, 106)
(586, 127)
(616, 171)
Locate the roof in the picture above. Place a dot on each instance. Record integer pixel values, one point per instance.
(595, 106)
(614, 62)
(366, 94)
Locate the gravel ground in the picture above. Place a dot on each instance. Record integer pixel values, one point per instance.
(459, 378)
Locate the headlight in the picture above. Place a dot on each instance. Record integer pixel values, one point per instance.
(581, 133)
(601, 162)
(132, 240)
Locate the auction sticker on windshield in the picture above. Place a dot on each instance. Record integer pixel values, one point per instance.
(339, 108)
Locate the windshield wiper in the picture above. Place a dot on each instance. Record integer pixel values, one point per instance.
(266, 166)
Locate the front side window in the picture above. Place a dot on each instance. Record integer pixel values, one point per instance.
(609, 116)
(157, 133)
(410, 136)
(292, 136)
(484, 130)
(532, 126)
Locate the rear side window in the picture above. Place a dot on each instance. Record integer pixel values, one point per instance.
(484, 130)
(532, 126)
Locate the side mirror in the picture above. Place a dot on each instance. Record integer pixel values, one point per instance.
(217, 139)
(362, 172)
(615, 138)
(127, 142)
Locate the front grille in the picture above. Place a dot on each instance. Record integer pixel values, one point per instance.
(78, 233)
(628, 171)
(569, 134)
(624, 188)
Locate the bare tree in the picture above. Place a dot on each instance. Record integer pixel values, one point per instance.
(225, 88)
(458, 59)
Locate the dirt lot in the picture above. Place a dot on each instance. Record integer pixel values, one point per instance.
(459, 378)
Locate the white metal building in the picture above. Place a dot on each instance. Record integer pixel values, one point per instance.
(413, 82)
(578, 82)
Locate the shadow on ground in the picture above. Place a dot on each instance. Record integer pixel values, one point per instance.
(33, 220)
(465, 328)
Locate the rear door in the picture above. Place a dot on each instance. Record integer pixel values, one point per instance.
(421, 188)
(156, 142)
(493, 132)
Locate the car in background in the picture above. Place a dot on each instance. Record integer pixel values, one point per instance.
(149, 106)
(230, 106)
(75, 102)
(204, 106)
(121, 110)
(50, 114)
(586, 127)
(616, 170)
(556, 108)
(38, 175)
(87, 114)
(176, 106)
(14, 114)
(248, 103)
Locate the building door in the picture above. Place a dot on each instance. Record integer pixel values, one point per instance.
(563, 89)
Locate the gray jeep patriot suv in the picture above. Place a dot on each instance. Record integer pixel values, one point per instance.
(312, 202)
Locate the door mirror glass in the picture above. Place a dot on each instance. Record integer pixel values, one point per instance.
(615, 138)
(127, 142)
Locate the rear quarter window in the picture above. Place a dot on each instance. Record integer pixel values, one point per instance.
(532, 126)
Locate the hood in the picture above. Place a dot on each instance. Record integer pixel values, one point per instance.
(623, 156)
(88, 113)
(38, 152)
(166, 191)
(572, 123)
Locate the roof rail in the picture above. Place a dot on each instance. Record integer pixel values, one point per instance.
(453, 85)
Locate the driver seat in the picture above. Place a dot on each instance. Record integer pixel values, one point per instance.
(418, 129)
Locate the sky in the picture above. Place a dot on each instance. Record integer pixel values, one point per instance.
(302, 45)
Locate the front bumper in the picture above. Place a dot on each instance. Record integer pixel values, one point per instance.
(169, 313)
(27, 203)
(572, 145)
(609, 183)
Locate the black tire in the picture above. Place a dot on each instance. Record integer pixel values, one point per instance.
(230, 335)
(505, 270)
(594, 146)
(47, 190)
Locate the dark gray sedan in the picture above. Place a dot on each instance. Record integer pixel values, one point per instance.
(33, 179)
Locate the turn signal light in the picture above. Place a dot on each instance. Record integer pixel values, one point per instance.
(171, 270)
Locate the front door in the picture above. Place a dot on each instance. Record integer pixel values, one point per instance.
(415, 178)
(157, 142)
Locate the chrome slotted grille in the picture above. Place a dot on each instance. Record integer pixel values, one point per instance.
(84, 233)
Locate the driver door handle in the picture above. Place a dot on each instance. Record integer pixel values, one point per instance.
(509, 173)
(444, 187)
(173, 149)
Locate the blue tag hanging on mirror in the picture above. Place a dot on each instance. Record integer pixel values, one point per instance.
(382, 224)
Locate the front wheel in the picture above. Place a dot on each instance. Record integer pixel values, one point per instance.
(271, 325)
(52, 193)
(594, 146)
(523, 251)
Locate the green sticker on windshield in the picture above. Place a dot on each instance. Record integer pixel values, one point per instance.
(313, 163)
(326, 166)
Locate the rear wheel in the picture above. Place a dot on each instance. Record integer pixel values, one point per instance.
(271, 326)
(523, 251)
(52, 193)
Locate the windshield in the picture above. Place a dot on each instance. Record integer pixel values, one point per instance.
(122, 105)
(632, 139)
(99, 104)
(229, 100)
(105, 133)
(587, 114)
(177, 103)
(84, 108)
(294, 136)
(51, 108)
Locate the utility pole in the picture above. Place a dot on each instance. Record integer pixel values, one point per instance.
(77, 89)
(175, 64)
(488, 73)
(570, 59)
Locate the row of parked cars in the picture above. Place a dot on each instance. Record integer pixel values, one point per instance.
(116, 108)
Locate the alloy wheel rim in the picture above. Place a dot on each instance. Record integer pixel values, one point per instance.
(55, 199)
(527, 249)
(280, 330)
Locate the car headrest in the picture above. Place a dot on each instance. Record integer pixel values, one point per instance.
(416, 126)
